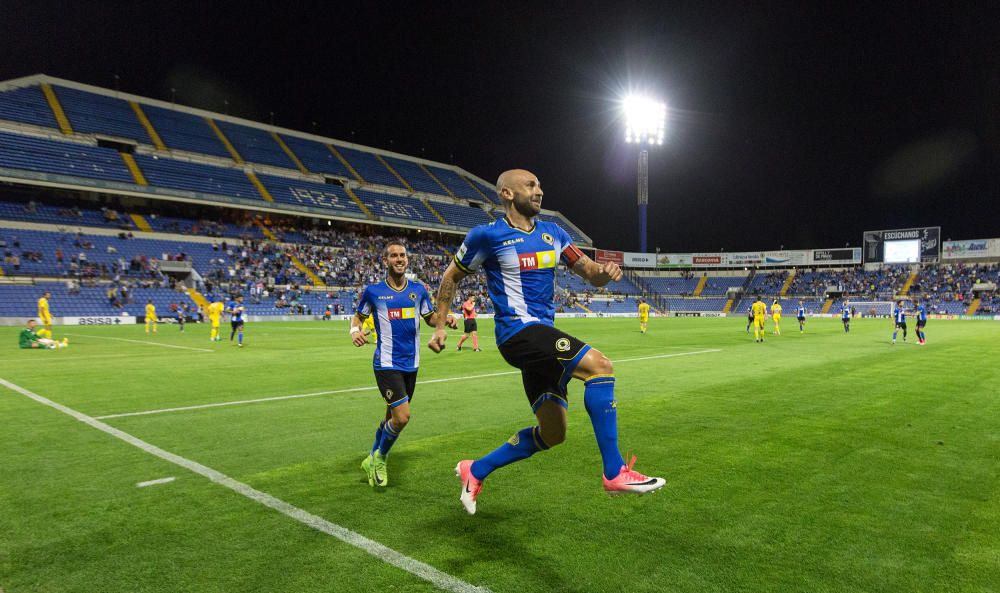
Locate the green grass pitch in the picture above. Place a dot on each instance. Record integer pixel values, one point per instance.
(820, 462)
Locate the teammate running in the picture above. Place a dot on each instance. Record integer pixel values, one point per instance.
(519, 255)
(845, 316)
(801, 316)
(396, 305)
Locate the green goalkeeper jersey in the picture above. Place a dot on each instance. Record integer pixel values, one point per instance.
(27, 337)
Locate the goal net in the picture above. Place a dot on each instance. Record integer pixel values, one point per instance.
(873, 308)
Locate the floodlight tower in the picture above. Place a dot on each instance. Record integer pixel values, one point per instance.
(645, 122)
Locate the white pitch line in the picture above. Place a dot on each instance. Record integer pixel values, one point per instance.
(141, 342)
(419, 569)
(155, 482)
(369, 388)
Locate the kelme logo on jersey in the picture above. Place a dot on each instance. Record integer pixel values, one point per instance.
(402, 313)
(537, 261)
(562, 344)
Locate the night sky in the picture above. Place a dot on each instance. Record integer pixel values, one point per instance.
(790, 125)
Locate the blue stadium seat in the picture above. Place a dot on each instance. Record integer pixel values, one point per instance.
(92, 113)
(316, 157)
(369, 168)
(183, 131)
(27, 105)
(195, 177)
(415, 176)
(255, 145)
(63, 158)
(400, 208)
(309, 193)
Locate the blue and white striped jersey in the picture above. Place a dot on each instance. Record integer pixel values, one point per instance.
(520, 270)
(397, 315)
(900, 314)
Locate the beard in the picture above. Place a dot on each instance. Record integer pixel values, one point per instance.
(525, 207)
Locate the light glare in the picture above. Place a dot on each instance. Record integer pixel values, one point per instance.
(645, 120)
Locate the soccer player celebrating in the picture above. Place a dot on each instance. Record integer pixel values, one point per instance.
(45, 315)
(921, 323)
(471, 328)
(519, 255)
(150, 316)
(29, 338)
(899, 315)
(236, 311)
(845, 316)
(801, 316)
(759, 311)
(214, 311)
(776, 316)
(397, 305)
(643, 315)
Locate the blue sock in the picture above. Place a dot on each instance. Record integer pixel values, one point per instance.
(599, 399)
(239, 338)
(378, 437)
(522, 445)
(894, 336)
(389, 436)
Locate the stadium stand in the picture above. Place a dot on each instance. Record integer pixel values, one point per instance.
(184, 131)
(255, 145)
(316, 156)
(100, 114)
(454, 183)
(196, 177)
(387, 206)
(309, 193)
(27, 105)
(467, 215)
(369, 167)
(29, 153)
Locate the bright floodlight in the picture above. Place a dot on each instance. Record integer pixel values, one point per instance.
(645, 120)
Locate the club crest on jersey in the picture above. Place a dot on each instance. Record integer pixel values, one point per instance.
(547, 238)
(413, 296)
(562, 344)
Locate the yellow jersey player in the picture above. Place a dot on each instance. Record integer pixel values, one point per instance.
(45, 316)
(214, 317)
(368, 327)
(150, 316)
(643, 315)
(759, 310)
(776, 316)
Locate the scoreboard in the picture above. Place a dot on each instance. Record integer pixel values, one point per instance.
(899, 246)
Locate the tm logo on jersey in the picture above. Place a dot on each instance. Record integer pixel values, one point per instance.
(537, 261)
(403, 313)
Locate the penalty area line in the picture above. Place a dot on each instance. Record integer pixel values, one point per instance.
(384, 553)
(141, 342)
(369, 388)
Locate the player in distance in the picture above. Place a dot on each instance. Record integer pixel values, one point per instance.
(759, 311)
(29, 339)
(776, 316)
(471, 327)
(237, 317)
(150, 316)
(643, 315)
(519, 255)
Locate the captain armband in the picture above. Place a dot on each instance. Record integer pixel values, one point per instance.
(571, 255)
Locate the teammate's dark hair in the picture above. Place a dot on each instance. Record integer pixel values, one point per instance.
(385, 250)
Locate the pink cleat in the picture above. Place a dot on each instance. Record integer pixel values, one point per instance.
(631, 481)
(470, 485)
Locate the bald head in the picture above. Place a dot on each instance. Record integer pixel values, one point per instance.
(513, 177)
(521, 190)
